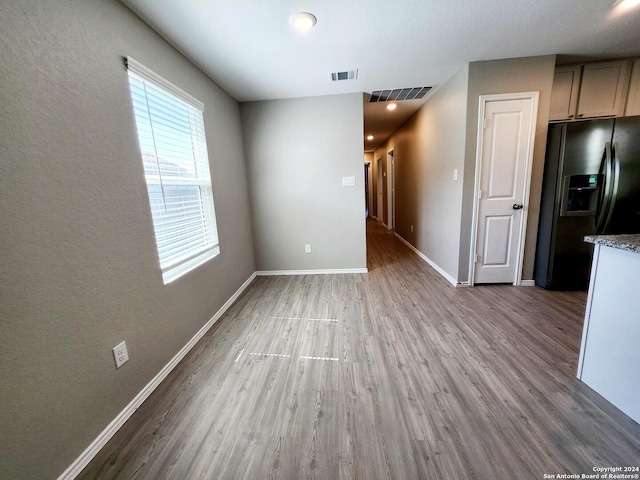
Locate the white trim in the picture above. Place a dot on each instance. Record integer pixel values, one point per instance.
(379, 191)
(92, 450)
(587, 313)
(483, 99)
(391, 188)
(149, 74)
(528, 283)
(437, 268)
(370, 182)
(174, 272)
(328, 271)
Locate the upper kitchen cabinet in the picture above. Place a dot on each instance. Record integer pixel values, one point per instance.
(633, 99)
(589, 90)
(603, 90)
(564, 94)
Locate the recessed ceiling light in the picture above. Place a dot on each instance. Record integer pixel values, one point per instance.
(369, 137)
(392, 106)
(625, 4)
(302, 21)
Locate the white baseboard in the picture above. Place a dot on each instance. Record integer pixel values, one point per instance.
(527, 283)
(437, 268)
(328, 271)
(92, 450)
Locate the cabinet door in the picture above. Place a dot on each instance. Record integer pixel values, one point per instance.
(603, 90)
(633, 99)
(564, 94)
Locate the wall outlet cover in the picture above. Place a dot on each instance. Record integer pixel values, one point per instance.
(120, 354)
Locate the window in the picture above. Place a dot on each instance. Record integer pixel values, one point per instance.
(176, 167)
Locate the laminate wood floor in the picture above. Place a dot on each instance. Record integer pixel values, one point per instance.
(392, 374)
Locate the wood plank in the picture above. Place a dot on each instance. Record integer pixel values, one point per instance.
(391, 374)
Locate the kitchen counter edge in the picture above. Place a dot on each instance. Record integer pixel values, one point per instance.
(628, 242)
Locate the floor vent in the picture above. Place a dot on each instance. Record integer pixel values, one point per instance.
(346, 75)
(399, 94)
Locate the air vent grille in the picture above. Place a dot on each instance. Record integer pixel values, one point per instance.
(399, 94)
(344, 75)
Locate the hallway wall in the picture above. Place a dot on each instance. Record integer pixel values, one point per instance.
(428, 147)
(531, 74)
(441, 137)
(297, 152)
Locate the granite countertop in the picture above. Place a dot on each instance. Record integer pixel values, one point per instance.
(629, 242)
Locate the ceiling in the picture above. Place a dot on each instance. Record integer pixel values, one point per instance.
(248, 48)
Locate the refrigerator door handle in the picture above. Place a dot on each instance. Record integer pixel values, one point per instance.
(615, 165)
(606, 171)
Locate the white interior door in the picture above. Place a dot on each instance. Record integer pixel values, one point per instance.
(505, 148)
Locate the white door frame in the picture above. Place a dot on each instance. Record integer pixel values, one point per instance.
(533, 97)
(370, 182)
(391, 190)
(379, 191)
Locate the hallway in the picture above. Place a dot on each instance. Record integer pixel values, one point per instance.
(391, 374)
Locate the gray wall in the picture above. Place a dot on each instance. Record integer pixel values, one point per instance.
(442, 136)
(508, 76)
(297, 152)
(79, 270)
(428, 147)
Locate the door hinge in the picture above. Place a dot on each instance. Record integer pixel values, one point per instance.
(484, 123)
(479, 193)
(478, 258)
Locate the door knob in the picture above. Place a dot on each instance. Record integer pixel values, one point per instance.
(517, 206)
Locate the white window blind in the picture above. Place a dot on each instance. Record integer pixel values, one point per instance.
(176, 166)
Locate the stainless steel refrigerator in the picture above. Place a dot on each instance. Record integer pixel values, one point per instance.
(591, 186)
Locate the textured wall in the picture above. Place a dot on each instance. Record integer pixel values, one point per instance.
(442, 136)
(531, 74)
(79, 270)
(297, 152)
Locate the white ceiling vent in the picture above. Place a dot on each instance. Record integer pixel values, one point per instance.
(345, 75)
(399, 94)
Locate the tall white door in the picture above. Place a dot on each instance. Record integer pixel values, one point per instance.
(506, 135)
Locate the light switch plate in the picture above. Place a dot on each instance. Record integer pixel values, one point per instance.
(348, 181)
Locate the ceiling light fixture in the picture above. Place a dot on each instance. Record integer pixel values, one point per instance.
(369, 137)
(392, 106)
(302, 21)
(626, 4)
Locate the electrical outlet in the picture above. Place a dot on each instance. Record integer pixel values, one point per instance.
(120, 354)
(307, 248)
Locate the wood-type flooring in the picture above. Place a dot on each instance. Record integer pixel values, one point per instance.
(394, 374)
